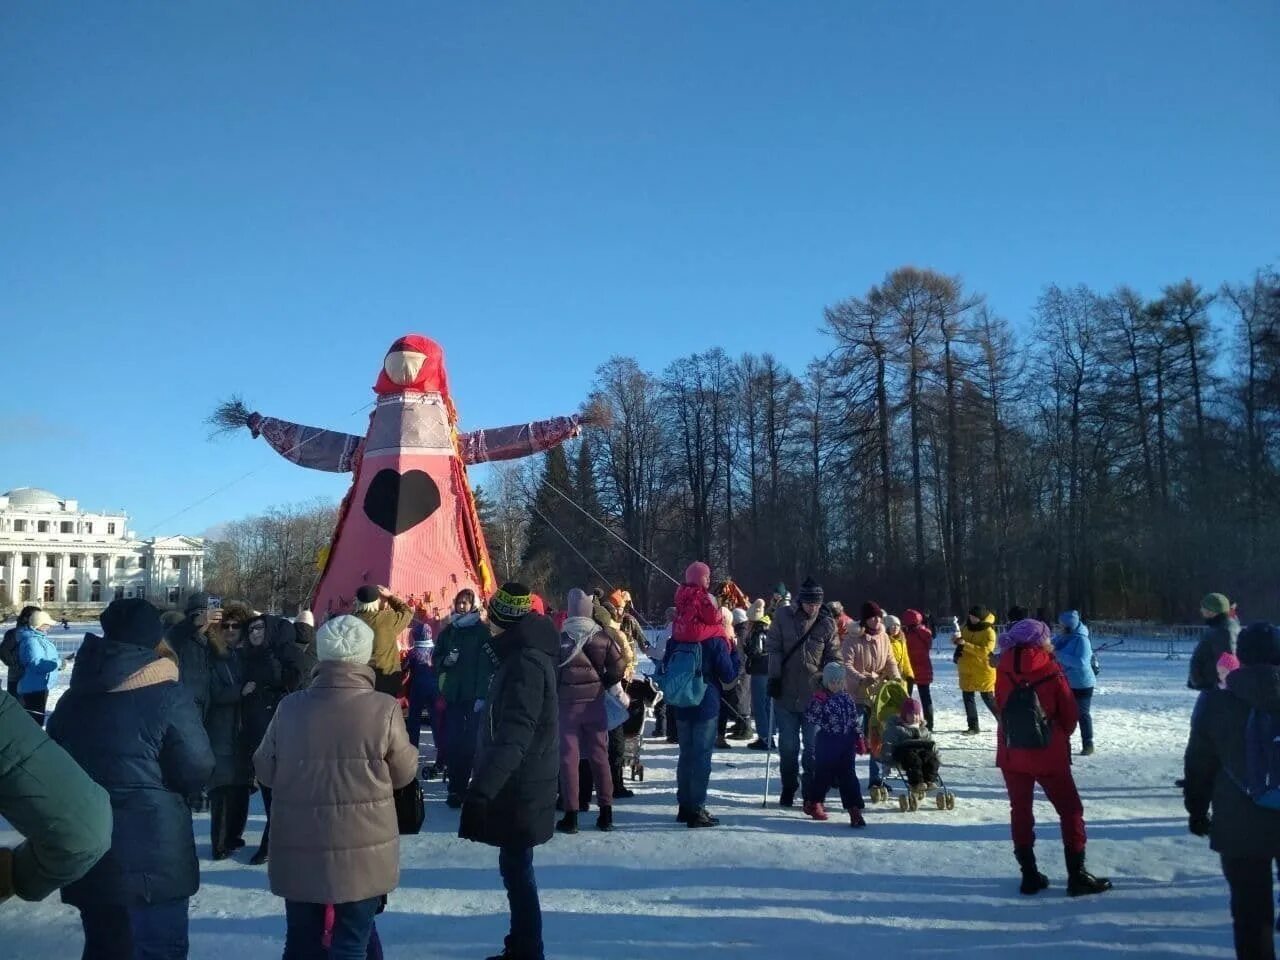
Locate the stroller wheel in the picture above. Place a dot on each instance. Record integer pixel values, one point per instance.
(912, 803)
(941, 798)
(951, 801)
(902, 804)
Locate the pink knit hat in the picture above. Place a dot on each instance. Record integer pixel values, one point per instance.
(698, 574)
(911, 711)
(1229, 662)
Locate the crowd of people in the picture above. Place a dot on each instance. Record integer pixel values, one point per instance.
(530, 712)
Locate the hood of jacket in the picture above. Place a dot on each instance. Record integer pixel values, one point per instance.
(106, 666)
(1070, 620)
(533, 632)
(912, 618)
(1028, 663)
(1257, 685)
(580, 629)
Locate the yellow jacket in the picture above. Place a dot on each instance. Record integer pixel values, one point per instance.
(976, 673)
(389, 621)
(898, 644)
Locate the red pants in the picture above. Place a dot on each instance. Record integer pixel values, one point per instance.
(1060, 788)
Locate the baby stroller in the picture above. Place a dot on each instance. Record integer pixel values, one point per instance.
(644, 693)
(887, 698)
(913, 760)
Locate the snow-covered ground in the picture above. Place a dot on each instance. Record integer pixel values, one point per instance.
(770, 884)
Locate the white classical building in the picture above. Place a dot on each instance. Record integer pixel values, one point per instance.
(65, 558)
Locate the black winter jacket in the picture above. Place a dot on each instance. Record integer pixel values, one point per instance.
(1215, 765)
(194, 660)
(1219, 639)
(135, 730)
(518, 762)
(222, 722)
(261, 666)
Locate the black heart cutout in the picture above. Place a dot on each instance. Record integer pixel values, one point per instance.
(400, 501)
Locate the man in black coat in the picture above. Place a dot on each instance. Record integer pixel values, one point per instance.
(1245, 834)
(511, 801)
(134, 729)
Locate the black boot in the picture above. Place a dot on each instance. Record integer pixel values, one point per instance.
(260, 857)
(683, 815)
(605, 820)
(700, 818)
(1080, 882)
(1033, 881)
(620, 791)
(568, 823)
(788, 798)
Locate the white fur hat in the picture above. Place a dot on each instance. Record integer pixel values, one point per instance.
(305, 616)
(739, 616)
(345, 638)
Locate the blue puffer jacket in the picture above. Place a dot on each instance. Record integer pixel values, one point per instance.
(136, 731)
(720, 667)
(1075, 652)
(39, 659)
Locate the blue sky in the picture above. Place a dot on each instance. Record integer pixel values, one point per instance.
(257, 198)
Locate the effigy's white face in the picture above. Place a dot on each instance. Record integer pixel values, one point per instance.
(403, 366)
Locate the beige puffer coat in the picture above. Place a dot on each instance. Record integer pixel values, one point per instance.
(868, 659)
(332, 756)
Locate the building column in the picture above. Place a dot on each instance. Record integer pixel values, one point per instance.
(11, 577)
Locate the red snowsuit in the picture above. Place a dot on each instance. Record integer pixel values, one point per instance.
(1050, 767)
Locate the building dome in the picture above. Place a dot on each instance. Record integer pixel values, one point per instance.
(33, 498)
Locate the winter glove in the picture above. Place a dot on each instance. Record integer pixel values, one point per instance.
(6, 874)
(475, 811)
(775, 688)
(1200, 826)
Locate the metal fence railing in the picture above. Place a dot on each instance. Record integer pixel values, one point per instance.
(1124, 636)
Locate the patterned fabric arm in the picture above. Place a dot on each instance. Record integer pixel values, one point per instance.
(308, 446)
(512, 443)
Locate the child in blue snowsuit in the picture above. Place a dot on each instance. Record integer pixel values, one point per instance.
(836, 715)
(1075, 652)
(424, 686)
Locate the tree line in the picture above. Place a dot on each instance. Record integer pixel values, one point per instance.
(1118, 453)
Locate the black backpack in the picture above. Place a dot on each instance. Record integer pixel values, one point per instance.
(1026, 726)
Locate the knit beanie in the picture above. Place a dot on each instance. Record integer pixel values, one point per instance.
(132, 621)
(912, 618)
(739, 616)
(697, 574)
(511, 604)
(39, 620)
(810, 592)
(578, 604)
(979, 612)
(871, 609)
(833, 674)
(307, 617)
(196, 602)
(367, 598)
(1024, 633)
(892, 623)
(1215, 604)
(911, 711)
(756, 613)
(1259, 643)
(346, 639)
